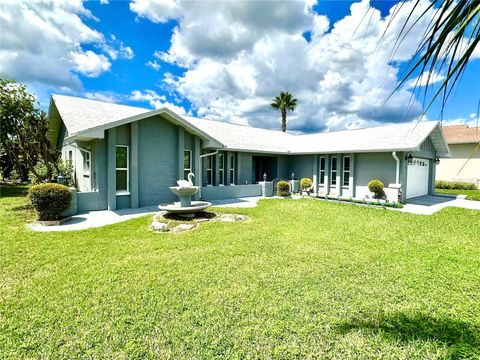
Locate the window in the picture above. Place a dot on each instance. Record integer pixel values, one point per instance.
(209, 160)
(232, 169)
(322, 170)
(86, 155)
(121, 162)
(187, 163)
(221, 167)
(70, 155)
(346, 170)
(333, 171)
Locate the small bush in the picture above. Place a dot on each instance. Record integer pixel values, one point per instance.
(283, 188)
(50, 200)
(455, 185)
(376, 187)
(306, 183)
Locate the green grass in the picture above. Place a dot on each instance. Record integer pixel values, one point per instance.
(303, 278)
(471, 194)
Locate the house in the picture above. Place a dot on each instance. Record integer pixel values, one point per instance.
(129, 157)
(464, 161)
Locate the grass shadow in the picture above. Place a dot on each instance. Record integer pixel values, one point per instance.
(9, 190)
(462, 339)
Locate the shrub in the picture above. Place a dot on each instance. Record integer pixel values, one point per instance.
(306, 183)
(455, 185)
(376, 187)
(283, 188)
(50, 200)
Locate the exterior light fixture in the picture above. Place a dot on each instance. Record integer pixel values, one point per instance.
(264, 176)
(409, 158)
(437, 160)
(293, 176)
(61, 179)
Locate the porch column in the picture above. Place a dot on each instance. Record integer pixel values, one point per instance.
(351, 180)
(339, 174)
(197, 165)
(134, 164)
(181, 148)
(326, 184)
(315, 173)
(216, 168)
(111, 172)
(229, 164)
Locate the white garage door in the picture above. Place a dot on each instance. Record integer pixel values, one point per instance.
(417, 178)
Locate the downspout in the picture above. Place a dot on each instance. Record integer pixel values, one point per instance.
(397, 173)
(201, 180)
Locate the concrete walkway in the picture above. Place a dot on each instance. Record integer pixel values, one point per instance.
(95, 219)
(430, 204)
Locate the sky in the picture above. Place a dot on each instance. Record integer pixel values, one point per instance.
(227, 60)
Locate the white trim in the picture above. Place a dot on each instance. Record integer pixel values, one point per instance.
(190, 157)
(320, 182)
(231, 171)
(346, 171)
(207, 169)
(221, 170)
(89, 161)
(127, 190)
(331, 171)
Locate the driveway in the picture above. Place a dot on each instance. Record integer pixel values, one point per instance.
(430, 204)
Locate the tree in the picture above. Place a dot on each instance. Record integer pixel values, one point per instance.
(446, 45)
(23, 135)
(284, 102)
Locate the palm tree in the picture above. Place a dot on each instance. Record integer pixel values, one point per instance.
(283, 102)
(447, 44)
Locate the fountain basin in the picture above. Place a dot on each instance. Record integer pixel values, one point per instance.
(186, 211)
(184, 191)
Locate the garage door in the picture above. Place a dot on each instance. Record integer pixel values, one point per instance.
(417, 178)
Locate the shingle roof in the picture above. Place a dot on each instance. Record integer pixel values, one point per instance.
(80, 115)
(461, 134)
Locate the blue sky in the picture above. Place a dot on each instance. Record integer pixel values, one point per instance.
(224, 60)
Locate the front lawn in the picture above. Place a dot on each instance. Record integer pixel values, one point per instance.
(304, 278)
(471, 194)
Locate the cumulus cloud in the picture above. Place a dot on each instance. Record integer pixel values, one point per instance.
(238, 55)
(153, 64)
(155, 100)
(48, 48)
(106, 96)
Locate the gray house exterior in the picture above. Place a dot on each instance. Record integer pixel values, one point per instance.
(128, 157)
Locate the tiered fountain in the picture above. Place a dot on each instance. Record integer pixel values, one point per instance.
(185, 207)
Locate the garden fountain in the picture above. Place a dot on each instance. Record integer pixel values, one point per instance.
(185, 207)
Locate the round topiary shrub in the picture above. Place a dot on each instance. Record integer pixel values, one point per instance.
(50, 200)
(306, 183)
(376, 187)
(283, 188)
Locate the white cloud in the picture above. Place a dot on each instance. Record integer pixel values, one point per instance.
(116, 49)
(43, 43)
(155, 100)
(103, 96)
(239, 55)
(104, 2)
(153, 64)
(90, 64)
(425, 79)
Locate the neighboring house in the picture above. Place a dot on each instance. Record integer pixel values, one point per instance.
(129, 157)
(464, 161)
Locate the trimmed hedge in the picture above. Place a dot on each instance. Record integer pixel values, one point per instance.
(50, 200)
(376, 187)
(283, 188)
(306, 183)
(454, 185)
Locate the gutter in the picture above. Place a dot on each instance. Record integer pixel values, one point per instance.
(397, 172)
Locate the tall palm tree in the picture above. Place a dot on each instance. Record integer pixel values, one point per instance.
(283, 102)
